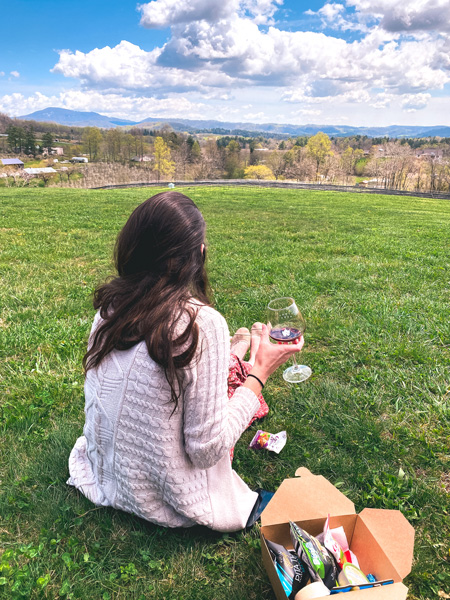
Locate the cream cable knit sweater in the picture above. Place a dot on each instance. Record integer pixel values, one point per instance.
(171, 470)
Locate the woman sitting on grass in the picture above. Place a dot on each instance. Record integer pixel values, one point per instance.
(159, 421)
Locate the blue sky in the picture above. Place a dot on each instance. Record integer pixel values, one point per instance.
(355, 62)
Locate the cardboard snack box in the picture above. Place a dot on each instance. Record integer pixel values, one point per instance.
(382, 540)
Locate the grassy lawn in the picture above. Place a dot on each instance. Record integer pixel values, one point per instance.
(371, 275)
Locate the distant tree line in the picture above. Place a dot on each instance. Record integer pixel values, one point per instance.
(166, 154)
(68, 132)
(161, 154)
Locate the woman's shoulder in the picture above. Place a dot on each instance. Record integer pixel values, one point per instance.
(95, 324)
(208, 317)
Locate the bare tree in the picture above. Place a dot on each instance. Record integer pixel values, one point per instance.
(92, 139)
(277, 163)
(395, 168)
(113, 144)
(349, 160)
(438, 172)
(211, 162)
(299, 164)
(182, 159)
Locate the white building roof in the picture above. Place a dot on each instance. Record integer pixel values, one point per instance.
(37, 171)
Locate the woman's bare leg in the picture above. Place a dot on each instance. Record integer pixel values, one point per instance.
(240, 342)
(255, 338)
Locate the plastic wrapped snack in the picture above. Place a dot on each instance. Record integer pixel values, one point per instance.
(292, 572)
(351, 575)
(319, 560)
(336, 542)
(270, 441)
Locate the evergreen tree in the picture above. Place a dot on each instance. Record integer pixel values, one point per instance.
(47, 142)
(233, 168)
(301, 141)
(16, 138)
(195, 151)
(30, 142)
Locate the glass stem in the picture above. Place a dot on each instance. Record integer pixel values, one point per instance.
(295, 362)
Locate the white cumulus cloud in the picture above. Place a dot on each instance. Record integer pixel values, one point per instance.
(413, 102)
(307, 112)
(237, 53)
(408, 15)
(216, 49)
(381, 100)
(128, 67)
(335, 16)
(167, 13)
(331, 11)
(159, 14)
(261, 11)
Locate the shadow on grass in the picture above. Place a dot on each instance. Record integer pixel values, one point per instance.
(55, 540)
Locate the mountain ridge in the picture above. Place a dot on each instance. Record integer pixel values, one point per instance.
(73, 118)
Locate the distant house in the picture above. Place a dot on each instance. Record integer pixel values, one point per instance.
(79, 159)
(367, 181)
(142, 158)
(12, 162)
(58, 151)
(431, 152)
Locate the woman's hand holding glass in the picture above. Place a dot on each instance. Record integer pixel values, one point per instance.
(287, 326)
(269, 357)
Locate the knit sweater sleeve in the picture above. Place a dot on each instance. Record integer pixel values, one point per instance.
(213, 422)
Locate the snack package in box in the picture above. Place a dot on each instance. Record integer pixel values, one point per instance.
(383, 540)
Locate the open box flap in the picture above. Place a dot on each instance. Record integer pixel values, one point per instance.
(304, 498)
(394, 534)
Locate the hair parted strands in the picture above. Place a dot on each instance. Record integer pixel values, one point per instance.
(160, 266)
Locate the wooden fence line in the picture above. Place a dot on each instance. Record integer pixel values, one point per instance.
(279, 184)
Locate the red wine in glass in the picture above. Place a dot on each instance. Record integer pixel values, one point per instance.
(285, 334)
(287, 326)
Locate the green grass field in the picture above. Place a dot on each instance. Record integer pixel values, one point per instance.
(371, 275)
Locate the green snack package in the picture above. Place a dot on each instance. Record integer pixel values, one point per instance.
(319, 560)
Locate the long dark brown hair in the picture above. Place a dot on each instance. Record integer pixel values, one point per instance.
(160, 265)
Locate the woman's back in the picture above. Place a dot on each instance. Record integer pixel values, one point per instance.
(169, 466)
(159, 423)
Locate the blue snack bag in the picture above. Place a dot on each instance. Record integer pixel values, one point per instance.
(292, 572)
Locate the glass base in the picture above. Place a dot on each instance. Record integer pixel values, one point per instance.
(297, 373)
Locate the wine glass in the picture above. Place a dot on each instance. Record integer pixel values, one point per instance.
(287, 325)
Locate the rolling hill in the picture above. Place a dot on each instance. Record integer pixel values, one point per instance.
(92, 119)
